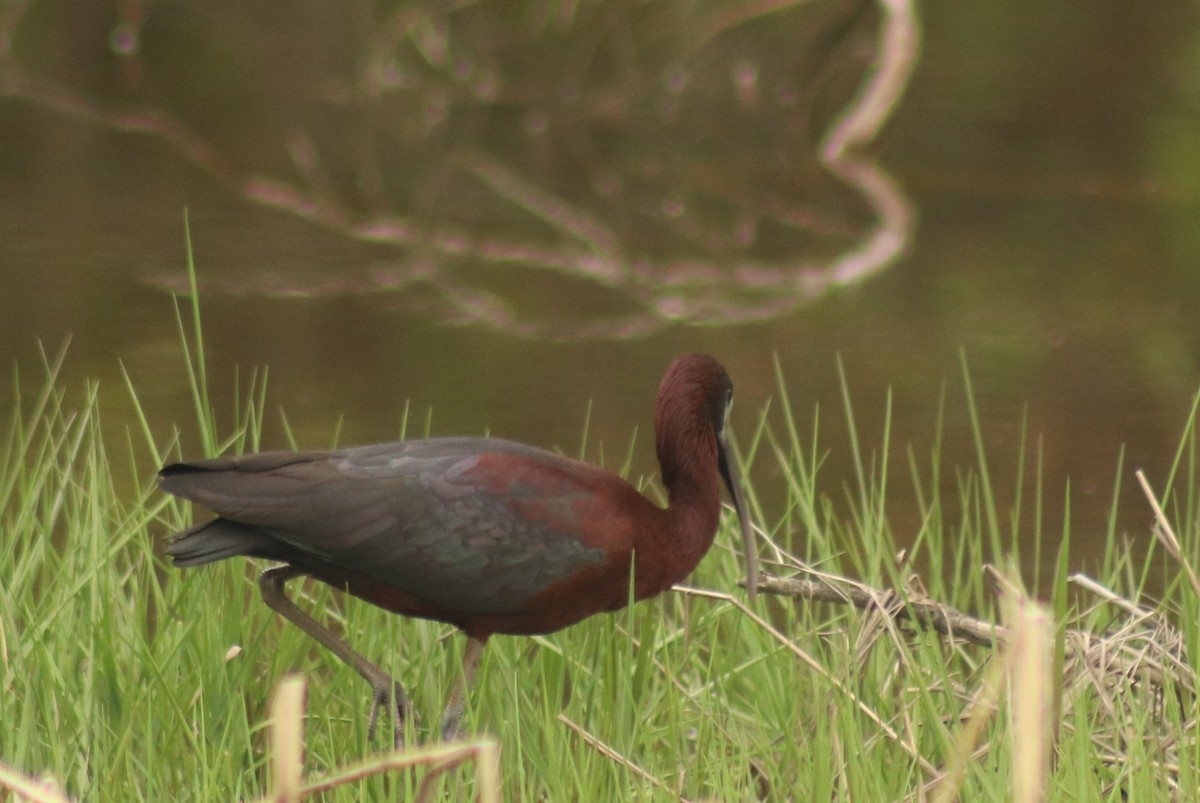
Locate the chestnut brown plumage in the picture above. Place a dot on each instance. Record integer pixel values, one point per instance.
(485, 534)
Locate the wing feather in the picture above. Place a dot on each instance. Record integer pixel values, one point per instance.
(421, 516)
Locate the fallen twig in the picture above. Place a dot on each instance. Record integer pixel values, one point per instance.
(924, 612)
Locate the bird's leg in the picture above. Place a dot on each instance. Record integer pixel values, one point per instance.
(452, 718)
(387, 691)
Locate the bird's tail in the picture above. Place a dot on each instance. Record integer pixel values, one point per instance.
(217, 540)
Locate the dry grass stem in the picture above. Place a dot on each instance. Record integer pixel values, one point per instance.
(613, 754)
(439, 758)
(1155, 664)
(1029, 663)
(1115, 670)
(946, 786)
(26, 788)
(1166, 534)
(287, 738)
(817, 667)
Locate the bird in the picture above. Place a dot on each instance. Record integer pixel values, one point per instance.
(485, 534)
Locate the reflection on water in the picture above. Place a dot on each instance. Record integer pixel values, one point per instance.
(656, 156)
(503, 213)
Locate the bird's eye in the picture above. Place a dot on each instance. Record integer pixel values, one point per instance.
(724, 422)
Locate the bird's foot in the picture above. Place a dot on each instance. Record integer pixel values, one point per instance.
(388, 693)
(452, 725)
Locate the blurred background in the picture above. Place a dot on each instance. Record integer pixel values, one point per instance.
(511, 216)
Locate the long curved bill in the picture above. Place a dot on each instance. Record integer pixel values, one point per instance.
(733, 481)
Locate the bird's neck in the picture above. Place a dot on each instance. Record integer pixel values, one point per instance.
(693, 509)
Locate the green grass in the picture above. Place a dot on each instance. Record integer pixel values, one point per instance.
(123, 679)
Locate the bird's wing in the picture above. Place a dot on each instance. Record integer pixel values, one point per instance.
(476, 525)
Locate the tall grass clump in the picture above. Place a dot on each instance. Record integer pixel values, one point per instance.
(866, 672)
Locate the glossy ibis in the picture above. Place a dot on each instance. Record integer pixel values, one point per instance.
(485, 534)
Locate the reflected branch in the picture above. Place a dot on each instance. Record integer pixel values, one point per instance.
(606, 193)
(842, 150)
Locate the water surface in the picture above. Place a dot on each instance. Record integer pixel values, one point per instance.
(516, 221)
